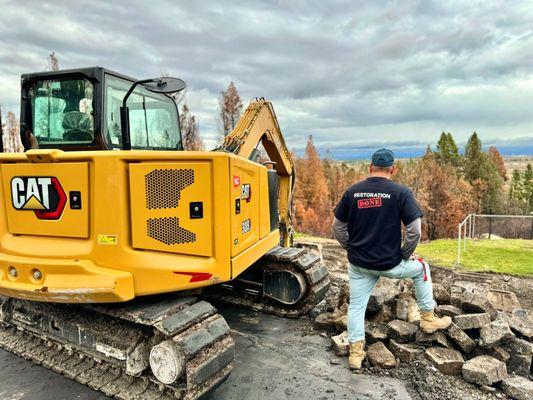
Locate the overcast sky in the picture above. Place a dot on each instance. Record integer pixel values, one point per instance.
(353, 74)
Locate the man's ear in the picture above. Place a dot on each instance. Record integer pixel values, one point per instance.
(392, 170)
(370, 168)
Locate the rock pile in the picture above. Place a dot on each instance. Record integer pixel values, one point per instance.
(490, 342)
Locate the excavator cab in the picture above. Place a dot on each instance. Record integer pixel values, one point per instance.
(80, 109)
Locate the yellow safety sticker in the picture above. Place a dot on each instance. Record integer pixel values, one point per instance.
(108, 239)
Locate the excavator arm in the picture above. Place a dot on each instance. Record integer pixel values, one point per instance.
(257, 125)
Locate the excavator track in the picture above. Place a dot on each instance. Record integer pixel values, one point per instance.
(298, 270)
(110, 348)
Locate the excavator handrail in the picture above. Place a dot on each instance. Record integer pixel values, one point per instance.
(259, 124)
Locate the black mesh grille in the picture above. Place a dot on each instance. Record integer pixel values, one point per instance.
(164, 186)
(169, 231)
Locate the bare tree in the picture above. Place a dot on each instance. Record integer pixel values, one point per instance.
(52, 62)
(190, 130)
(230, 109)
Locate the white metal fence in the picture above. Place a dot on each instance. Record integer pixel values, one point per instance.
(470, 228)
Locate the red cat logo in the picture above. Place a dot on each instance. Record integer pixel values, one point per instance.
(236, 181)
(42, 195)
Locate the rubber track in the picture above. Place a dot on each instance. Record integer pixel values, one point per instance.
(112, 380)
(289, 258)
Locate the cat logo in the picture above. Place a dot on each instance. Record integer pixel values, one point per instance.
(42, 195)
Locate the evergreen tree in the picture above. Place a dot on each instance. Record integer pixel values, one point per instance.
(528, 189)
(447, 151)
(480, 172)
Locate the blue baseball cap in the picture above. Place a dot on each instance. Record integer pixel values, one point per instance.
(383, 158)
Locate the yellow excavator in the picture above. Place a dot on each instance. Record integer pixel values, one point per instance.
(112, 237)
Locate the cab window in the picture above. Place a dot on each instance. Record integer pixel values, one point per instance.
(62, 111)
(153, 117)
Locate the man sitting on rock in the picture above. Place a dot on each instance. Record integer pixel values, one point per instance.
(367, 224)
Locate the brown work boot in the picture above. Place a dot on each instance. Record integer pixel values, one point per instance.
(430, 323)
(357, 354)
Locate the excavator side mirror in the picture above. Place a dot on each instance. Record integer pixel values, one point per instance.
(163, 85)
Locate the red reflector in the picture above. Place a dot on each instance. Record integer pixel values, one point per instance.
(196, 276)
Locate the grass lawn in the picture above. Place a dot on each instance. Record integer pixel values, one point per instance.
(506, 256)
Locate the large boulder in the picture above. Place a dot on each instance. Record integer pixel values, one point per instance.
(375, 332)
(521, 352)
(460, 338)
(379, 356)
(429, 339)
(484, 370)
(471, 321)
(478, 303)
(522, 324)
(405, 352)
(448, 310)
(494, 333)
(384, 292)
(402, 331)
(440, 293)
(447, 361)
(518, 388)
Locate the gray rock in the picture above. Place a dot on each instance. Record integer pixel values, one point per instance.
(494, 351)
(406, 308)
(406, 352)
(476, 303)
(448, 310)
(429, 339)
(447, 361)
(402, 331)
(461, 339)
(471, 321)
(383, 316)
(519, 364)
(375, 332)
(518, 388)
(384, 292)
(456, 296)
(441, 294)
(522, 323)
(518, 346)
(379, 356)
(495, 333)
(341, 344)
(484, 370)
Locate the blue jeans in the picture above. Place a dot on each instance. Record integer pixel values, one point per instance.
(362, 281)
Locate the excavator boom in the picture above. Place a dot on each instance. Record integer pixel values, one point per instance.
(259, 125)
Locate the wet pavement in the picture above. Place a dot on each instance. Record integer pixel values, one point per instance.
(276, 358)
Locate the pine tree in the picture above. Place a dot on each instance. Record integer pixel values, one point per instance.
(447, 151)
(480, 172)
(230, 104)
(527, 183)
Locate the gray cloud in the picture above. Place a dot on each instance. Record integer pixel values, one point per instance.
(347, 72)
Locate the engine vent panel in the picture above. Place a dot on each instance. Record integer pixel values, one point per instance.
(161, 194)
